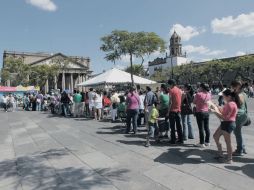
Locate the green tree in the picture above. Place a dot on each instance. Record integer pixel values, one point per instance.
(16, 71)
(134, 44)
(136, 69)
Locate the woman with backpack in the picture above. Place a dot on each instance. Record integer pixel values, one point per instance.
(186, 111)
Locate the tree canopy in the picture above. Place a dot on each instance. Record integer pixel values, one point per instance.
(214, 70)
(133, 44)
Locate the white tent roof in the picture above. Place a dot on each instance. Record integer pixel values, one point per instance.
(114, 76)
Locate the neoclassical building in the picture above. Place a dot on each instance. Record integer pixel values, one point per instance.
(76, 71)
(174, 58)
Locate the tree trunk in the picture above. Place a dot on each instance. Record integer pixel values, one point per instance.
(132, 80)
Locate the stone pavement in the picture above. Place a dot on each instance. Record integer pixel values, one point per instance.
(43, 152)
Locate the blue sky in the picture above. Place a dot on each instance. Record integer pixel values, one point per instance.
(209, 29)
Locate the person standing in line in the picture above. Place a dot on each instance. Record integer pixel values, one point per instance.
(77, 103)
(26, 102)
(65, 100)
(114, 104)
(149, 101)
(153, 130)
(5, 99)
(82, 110)
(141, 113)
(97, 105)
(202, 114)
(187, 98)
(39, 100)
(91, 95)
(241, 118)
(163, 107)
(228, 116)
(175, 112)
(132, 102)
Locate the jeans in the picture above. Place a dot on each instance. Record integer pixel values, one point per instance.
(132, 114)
(140, 116)
(113, 114)
(175, 121)
(239, 139)
(203, 124)
(66, 109)
(187, 133)
(38, 106)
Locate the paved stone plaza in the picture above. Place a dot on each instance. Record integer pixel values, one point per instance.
(43, 152)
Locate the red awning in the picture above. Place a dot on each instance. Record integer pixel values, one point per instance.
(7, 89)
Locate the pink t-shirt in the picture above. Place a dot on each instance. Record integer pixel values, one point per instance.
(229, 111)
(133, 101)
(200, 100)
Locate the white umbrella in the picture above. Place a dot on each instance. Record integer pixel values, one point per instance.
(115, 76)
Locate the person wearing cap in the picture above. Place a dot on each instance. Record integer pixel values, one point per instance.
(132, 103)
(175, 112)
(202, 114)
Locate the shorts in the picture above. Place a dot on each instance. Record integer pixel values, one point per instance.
(228, 126)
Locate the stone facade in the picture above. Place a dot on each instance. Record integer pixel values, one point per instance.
(76, 71)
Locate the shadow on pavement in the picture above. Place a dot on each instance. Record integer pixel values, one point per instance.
(180, 156)
(35, 172)
(247, 169)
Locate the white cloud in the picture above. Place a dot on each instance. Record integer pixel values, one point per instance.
(202, 50)
(242, 25)
(186, 33)
(47, 5)
(239, 53)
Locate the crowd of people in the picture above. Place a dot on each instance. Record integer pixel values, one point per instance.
(166, 113)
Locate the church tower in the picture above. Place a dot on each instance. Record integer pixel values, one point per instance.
(175, 45)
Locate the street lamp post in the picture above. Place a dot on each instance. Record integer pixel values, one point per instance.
(172, 71)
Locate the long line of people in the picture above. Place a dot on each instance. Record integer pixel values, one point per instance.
(168, 110)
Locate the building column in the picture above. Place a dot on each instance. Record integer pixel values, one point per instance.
(83, 79)
(55, 82)
(63, 81)
(72, 83)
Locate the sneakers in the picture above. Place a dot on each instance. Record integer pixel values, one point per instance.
(237, 153)
(226, 160)
(207, 144)
(147, 144)
(200, 145)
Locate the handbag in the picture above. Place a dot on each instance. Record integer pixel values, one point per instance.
(248, 120)
(186, 108)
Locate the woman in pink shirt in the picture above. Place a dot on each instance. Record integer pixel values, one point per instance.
(227, 114)
(133, 103)
(202, 114)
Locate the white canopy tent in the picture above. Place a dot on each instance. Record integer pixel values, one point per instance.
(115, 76)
